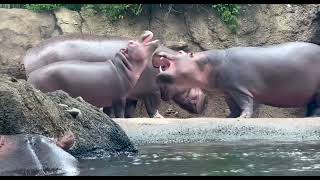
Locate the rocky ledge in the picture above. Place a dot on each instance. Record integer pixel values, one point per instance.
(25, 110)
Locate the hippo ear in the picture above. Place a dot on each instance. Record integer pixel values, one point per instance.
(146, 36)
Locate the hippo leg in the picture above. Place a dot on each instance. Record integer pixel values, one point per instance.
(157, 115)
(119, 107)
(235, 110)
(256, 110)
(66, 141)
(2, 140)
(245, 103)
(152, 103)
(130, 108)
(313, 107)
(107, 111)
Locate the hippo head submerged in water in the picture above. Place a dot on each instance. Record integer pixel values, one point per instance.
(32, 154)
(184, 70)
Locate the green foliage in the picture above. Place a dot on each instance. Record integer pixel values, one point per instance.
(116, 11)
(43, 7)
(74, 7)
(228, 14)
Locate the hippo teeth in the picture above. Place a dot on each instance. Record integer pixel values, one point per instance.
(160, 68)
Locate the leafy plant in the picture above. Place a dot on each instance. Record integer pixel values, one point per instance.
(43, 7)
(74, 7)
(117, 11)
(228, 14)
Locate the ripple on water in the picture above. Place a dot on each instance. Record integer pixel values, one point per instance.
(214, 159)
(137, 163)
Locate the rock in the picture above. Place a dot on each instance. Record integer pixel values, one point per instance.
(29, 111)
(68, 21)
(169, 27)
(100, 24)
(21, 29)
(177, 45)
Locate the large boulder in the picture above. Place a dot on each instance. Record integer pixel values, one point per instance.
(27, 110)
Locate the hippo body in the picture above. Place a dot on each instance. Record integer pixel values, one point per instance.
(92, 48)
(94, 86)
(31, 154)
(283, 75)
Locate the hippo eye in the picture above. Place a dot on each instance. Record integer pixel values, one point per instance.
(191, 54)
(181, 52)
(131, 42)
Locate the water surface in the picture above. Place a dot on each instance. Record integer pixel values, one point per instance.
(222, 158)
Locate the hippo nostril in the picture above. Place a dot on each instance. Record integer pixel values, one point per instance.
(124, 50)
(131, 42)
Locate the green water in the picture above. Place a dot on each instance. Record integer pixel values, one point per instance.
(236, 159)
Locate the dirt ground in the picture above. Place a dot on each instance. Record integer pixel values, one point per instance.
(218, 108)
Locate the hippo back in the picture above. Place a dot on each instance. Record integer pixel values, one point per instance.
(89, 48)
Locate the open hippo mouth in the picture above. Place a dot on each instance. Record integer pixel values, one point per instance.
(166, 68)
(161, 62)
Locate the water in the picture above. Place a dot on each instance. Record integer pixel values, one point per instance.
(238, 158)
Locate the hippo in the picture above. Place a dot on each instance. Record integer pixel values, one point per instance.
(99, 83)
(33, 154)
(192, 100)
(282, 75)
(93, 48)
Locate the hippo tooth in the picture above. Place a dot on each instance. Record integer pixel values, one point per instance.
(160, 68)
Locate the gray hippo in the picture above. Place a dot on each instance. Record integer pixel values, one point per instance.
(99, 83)
(32, 154)
(283, 75)
(92, 48)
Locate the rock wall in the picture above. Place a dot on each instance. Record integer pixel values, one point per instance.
(183, 28)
